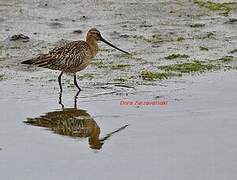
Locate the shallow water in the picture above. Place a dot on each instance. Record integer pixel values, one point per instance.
(190, 137)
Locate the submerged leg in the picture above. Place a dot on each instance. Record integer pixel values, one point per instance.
(75, 99)
(75, 82)
(60, 100)
(59, 82)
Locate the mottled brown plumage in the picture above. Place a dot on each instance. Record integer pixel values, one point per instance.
(71, 57)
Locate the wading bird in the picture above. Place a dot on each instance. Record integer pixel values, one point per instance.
(72, 57)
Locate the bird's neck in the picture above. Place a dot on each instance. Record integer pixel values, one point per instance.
(92, 42)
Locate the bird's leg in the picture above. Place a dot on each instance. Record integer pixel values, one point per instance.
(75, 82)
(60, 100)
(59, 82)
(75, 99)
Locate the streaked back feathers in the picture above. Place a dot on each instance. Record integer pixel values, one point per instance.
(67, 58)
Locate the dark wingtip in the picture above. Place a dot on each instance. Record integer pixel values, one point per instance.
(27, 62)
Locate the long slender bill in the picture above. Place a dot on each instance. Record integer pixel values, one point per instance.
(103, 40)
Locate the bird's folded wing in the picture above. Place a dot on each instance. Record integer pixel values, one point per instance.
(64, 57)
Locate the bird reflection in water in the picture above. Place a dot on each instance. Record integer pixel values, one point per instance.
(73, 122)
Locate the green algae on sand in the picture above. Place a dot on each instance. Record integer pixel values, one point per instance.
(175, 56)
(2, 77)
(152, 76)
(225, 8)
(190, 67)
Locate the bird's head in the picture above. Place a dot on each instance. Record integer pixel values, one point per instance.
(95, 35)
